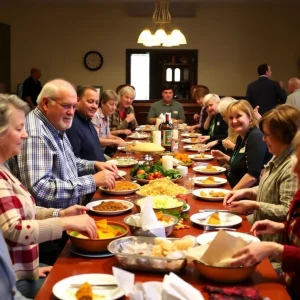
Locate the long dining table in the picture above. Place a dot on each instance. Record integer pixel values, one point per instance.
(68, 264)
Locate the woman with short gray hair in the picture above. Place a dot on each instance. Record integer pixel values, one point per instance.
(215, 127)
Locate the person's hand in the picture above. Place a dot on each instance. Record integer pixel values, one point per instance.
(99, 165)
(266, 227)
(130, 117)
(217, 154)
(281, 83)
(82, 223)
(73, 210)
(241, 206)
(256, 113)
(105, 178)
(233, 196)
(43, 271)
(203, 139)
(120, 142)
(190, 128)
(253, 253)
(196, 117)
(126, 131)
(211, 144)
(228, 144)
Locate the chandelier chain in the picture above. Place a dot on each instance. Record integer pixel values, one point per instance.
(161, 13)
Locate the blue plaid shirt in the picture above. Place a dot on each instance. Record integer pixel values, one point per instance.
(48, 167)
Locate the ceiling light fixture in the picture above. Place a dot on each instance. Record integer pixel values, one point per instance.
(161, 32)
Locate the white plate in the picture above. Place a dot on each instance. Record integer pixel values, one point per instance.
(227, 219)
(144, 128)
(110, 213)
(121, 192)
(125, 162)
(191, 135)
(197, 158)
(192, 148)
(208, 197)
(218, 181)
(140, 137)
(203, 170)
(127, 143)
(209, 236)
(190, 141)
(62, 289)
(121, 173)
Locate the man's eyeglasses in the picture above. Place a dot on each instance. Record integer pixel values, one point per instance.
(64, 106)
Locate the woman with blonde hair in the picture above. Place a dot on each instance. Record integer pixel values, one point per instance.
(250, 152)
(123, 121)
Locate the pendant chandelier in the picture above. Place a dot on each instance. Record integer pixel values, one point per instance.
(161, 32)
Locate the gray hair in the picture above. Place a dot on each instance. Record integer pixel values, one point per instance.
(108, 95)
(224, 103)
(51, 88)
(127, 90)
(210, 96)
(7, 102)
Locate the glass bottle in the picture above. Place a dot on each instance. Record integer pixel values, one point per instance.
(167, 133)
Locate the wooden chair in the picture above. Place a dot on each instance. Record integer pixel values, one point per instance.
(198, 87)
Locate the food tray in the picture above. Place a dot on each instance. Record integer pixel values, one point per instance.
(145, 263)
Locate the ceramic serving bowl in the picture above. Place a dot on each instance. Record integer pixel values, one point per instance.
(138, 230)
(96, 245)
(224, 274)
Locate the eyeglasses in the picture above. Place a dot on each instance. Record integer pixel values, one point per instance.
(64, 106)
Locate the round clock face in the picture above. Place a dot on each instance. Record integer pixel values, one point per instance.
(93, 60)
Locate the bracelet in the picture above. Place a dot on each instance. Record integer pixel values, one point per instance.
(276, 251)
(55, 213)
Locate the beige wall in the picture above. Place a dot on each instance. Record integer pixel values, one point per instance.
(232, 40)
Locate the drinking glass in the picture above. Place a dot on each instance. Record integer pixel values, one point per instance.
(189, 183)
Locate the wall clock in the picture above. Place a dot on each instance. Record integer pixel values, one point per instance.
(93, 60)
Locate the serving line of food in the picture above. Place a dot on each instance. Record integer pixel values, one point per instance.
(115, 210)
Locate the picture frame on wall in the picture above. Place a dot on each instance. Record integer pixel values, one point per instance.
(99, 89)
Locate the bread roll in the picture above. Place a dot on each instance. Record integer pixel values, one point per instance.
(148, 147)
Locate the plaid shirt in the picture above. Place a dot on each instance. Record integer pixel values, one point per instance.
(276, 190)
(48, 167)
(21, 225)
(291, 250)
(101, 124)
(115, 121)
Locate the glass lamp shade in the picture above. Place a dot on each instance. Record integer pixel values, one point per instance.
(151, 41)
(160, 35)
(144, 36)
(170, 42)
(177, 36)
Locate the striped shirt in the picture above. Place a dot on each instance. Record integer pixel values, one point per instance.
(48, 167)
(276, 190)
(24, 225)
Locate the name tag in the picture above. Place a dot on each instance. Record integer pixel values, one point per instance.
(243, 150)
(175, 111)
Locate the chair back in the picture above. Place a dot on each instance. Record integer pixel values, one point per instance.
(20, 90)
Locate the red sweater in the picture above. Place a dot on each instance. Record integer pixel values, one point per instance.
(291, 251)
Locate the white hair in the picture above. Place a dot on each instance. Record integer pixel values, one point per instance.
(210, 96)
(127, 90)
(224, 103)
(51, 88)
